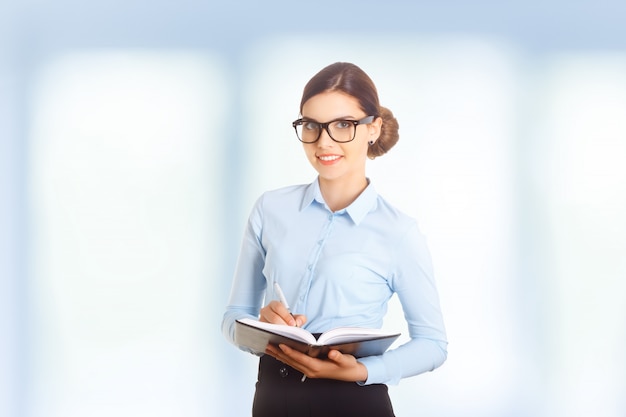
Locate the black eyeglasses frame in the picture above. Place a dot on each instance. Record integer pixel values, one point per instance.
(324, 126)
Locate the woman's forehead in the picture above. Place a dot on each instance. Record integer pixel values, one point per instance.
(331, 105)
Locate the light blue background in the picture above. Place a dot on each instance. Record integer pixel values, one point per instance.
(513, 137)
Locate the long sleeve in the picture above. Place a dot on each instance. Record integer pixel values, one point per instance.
(249, 284)
(414, 283)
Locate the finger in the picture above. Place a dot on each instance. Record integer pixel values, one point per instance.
(283, 313)
(275, 312)
(279, 355)
(285, 353)
(272, 351)
(292, 353)
(294, 358)
(300, 319)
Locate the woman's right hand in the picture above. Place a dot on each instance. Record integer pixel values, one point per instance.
(276, 312)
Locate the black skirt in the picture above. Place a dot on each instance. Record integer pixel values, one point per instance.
(280, 392)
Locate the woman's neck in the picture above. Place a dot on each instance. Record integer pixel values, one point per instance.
(340, 194)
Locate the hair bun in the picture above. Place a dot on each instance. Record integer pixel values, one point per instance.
(388, 134)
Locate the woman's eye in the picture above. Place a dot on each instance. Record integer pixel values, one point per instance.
(310, 126)
(342, 124)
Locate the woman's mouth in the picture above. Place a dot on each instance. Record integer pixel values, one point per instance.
(328, 159)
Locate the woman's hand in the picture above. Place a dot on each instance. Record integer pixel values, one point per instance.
(275, 312)
(338, 366)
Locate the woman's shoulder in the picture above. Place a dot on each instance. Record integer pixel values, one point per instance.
(285, 192)
(389, 209)
(283, 196)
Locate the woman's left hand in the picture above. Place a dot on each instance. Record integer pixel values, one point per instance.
(338, 366)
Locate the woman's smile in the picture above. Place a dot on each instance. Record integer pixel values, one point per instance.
(328, 159)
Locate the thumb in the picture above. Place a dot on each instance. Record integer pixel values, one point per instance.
(335, 356)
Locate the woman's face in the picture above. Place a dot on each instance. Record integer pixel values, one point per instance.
(332, 160)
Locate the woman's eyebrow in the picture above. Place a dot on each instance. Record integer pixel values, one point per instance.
(347, 117)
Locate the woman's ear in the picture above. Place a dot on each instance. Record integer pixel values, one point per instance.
(375, 128)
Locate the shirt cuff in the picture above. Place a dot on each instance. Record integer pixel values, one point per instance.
(376, 370)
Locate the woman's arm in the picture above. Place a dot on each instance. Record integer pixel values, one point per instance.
(414, 283)
(249, 284)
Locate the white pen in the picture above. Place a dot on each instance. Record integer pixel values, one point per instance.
(284, 302)
(282, 298)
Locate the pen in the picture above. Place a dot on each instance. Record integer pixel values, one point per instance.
(282, 298)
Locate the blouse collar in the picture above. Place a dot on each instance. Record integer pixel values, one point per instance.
(357, 211)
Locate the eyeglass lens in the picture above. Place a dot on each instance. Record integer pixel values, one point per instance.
(339, 130)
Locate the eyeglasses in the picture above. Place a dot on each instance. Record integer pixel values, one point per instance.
(339, 130)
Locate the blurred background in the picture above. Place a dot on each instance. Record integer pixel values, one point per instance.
(135, 137)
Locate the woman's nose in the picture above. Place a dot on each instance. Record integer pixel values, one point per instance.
(325, 138)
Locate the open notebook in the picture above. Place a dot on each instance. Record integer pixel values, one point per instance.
(359, 342)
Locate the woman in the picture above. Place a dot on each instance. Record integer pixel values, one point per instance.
(339, 251)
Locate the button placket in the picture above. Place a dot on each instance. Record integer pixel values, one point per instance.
(312, 263)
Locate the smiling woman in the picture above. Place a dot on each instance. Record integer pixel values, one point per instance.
(452, 169)
(326, 220)
(340, 162)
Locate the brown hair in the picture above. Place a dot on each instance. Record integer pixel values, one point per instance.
(352, 80)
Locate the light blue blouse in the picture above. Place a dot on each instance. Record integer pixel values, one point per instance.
(340, 269)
